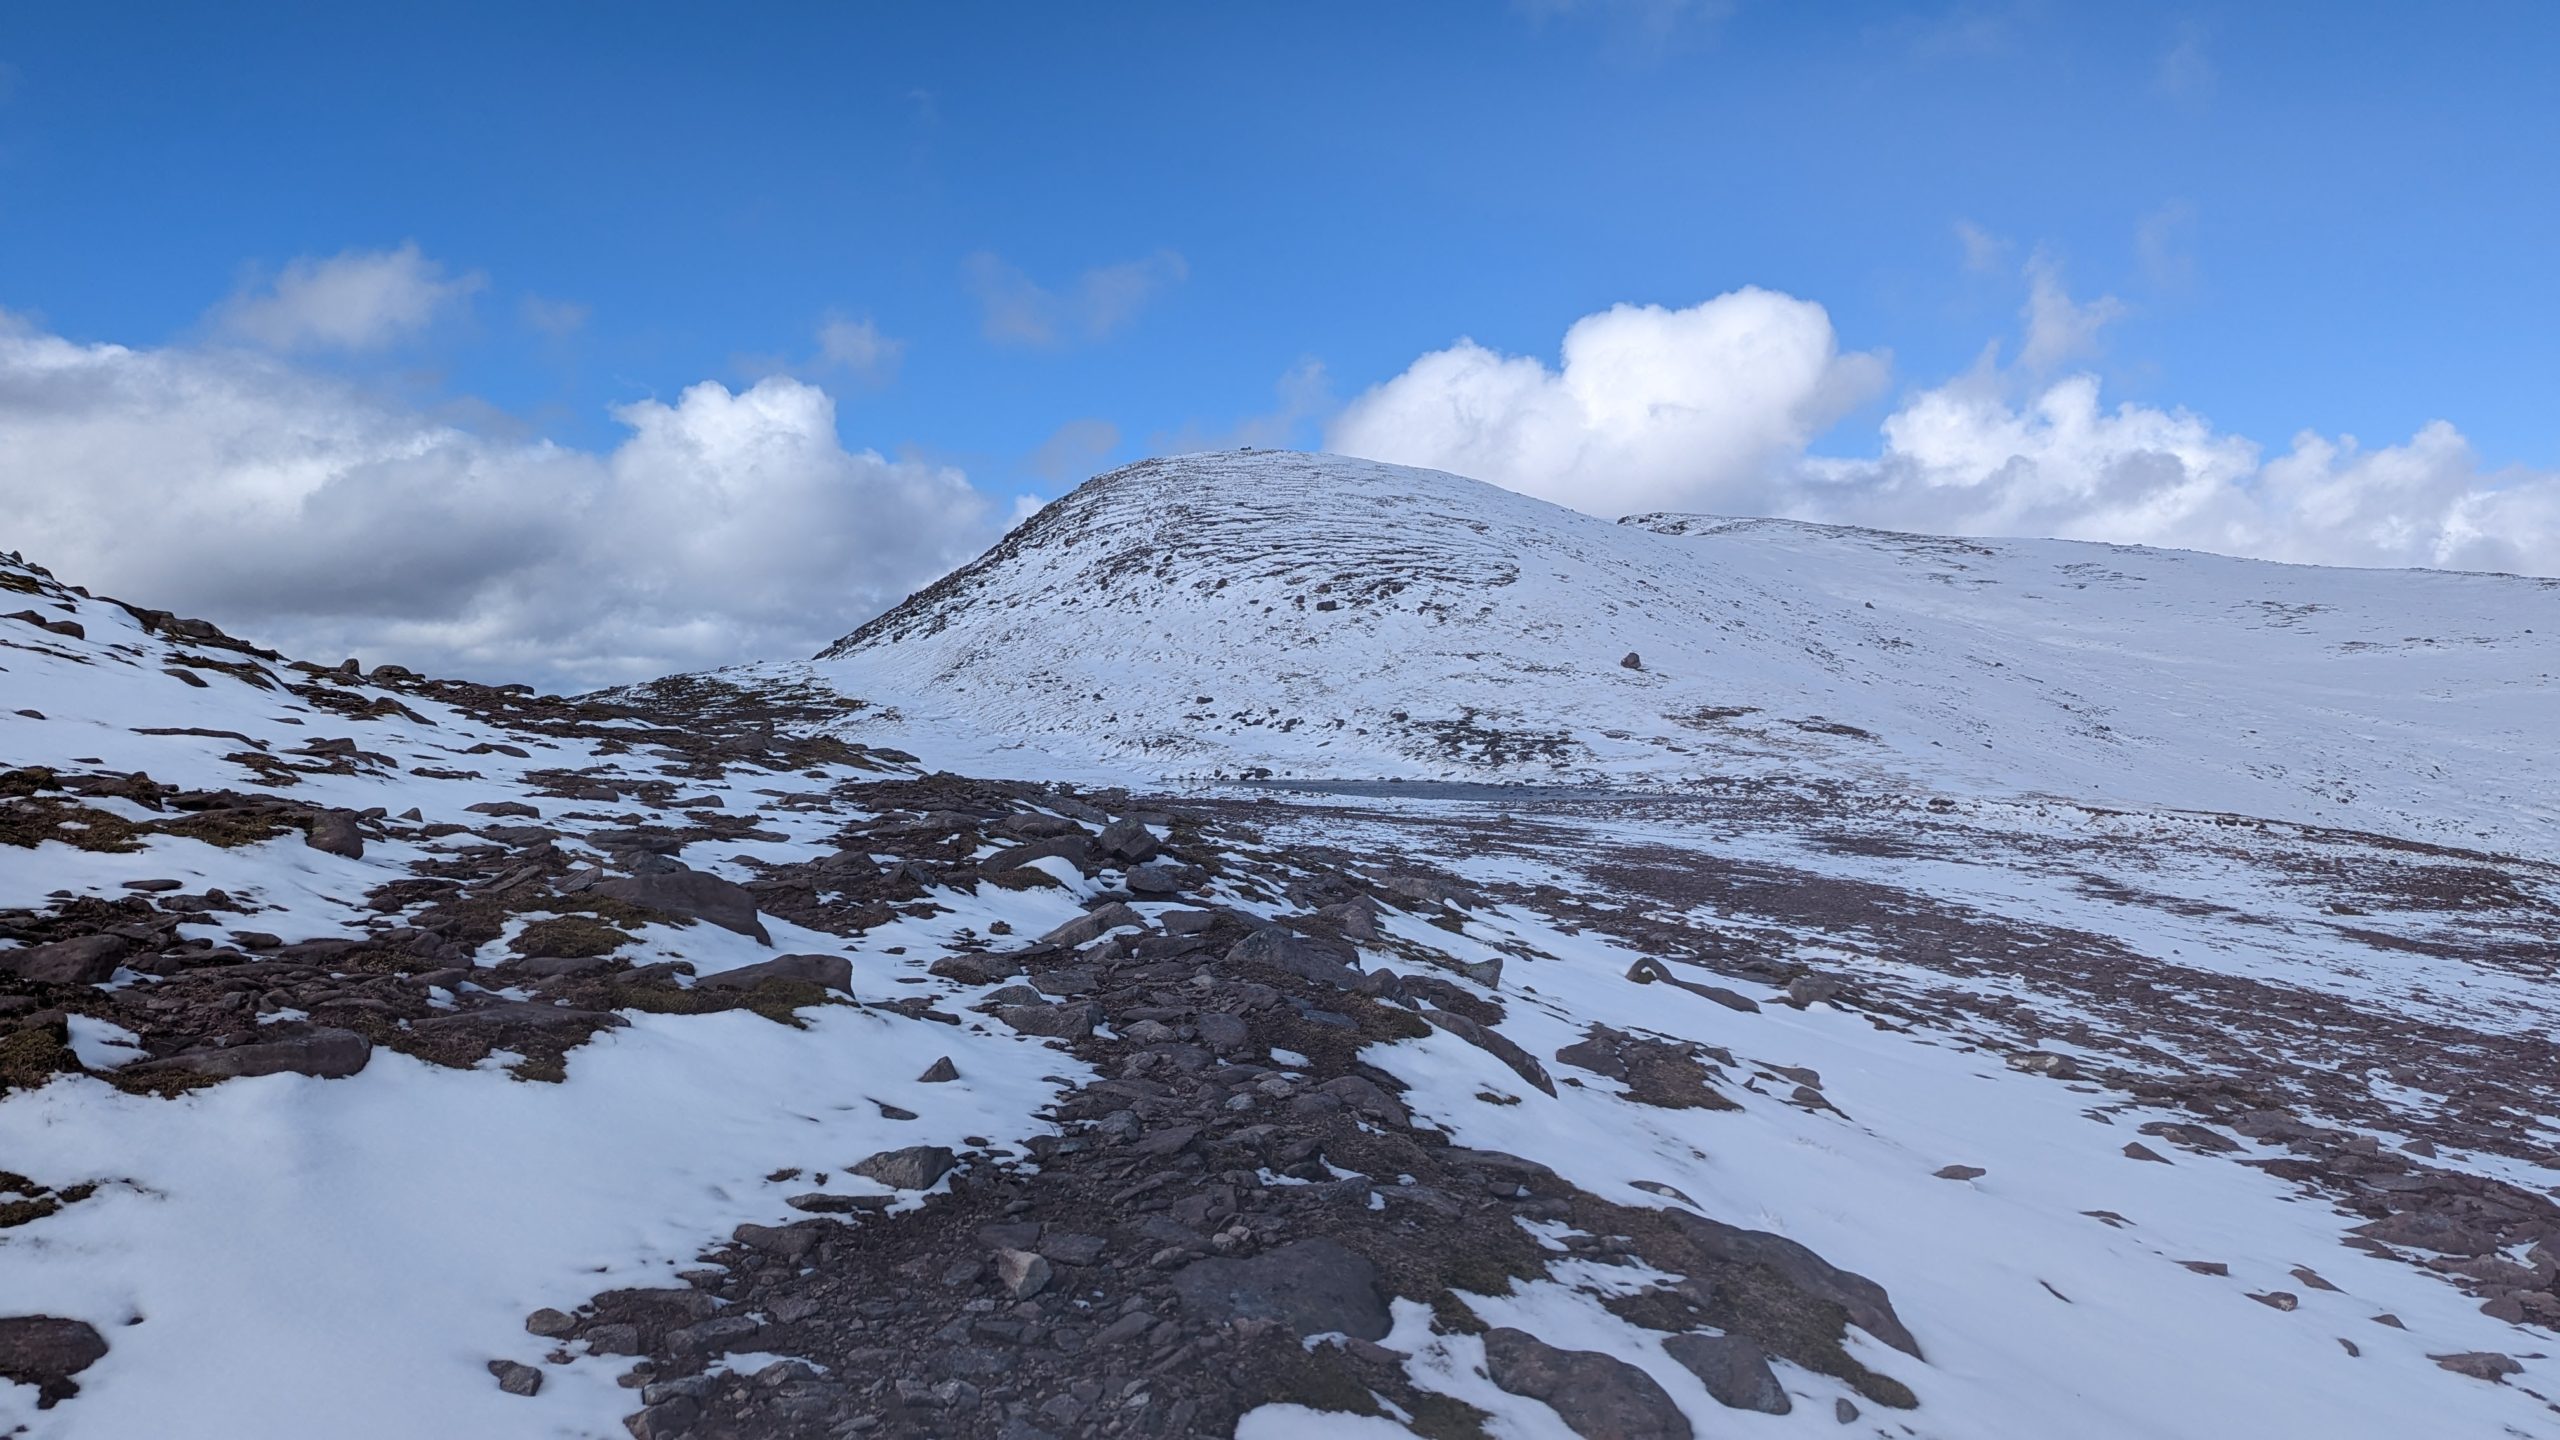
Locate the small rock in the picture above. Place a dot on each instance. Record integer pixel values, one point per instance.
(917, 1167)
(1960, 1172)
(2277, 1299)
(1022, 1273)
(516, 1377)
(549, 1323)
(834, 972)
(1632, 661)
(940, 1072)
(1843, 1411)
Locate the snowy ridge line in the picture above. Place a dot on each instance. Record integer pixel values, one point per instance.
(1319, 617)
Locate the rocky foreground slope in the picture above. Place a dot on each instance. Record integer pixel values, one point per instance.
(390, 1056)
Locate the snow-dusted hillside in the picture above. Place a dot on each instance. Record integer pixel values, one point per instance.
(395, 1057)
(1233, 614)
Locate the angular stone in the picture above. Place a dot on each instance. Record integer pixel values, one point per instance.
(1599, 1397)
(516, 1378)
(917, 1167)
(1128, 841)
(1022, 1273)
(940, 1072)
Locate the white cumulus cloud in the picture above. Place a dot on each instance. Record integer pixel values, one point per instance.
(1651, 408)
(313, 515)
(356, 300)
(1713, 409)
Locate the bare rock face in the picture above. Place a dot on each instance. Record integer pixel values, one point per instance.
(1600, 1397)
(1315, 1287)
(46, 1351)
(698, 895)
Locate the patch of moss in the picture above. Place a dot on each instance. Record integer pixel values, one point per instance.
(574, 937)
(226, 828)
(31, 822)
(1442, 1417)
(20, 783)
(1317, 1379)
(31, 1057)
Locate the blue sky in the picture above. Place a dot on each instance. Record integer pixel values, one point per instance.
(1197, 224)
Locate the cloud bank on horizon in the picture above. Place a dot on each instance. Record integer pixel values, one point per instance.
(235, 477)
(1714, 408)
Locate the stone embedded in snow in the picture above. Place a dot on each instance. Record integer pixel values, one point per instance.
(1960, 1172)
(834, 972)
(1093, 924)
(1128, 841)
(1315, 1287)
(88, 960)
(516, 1378)
(1074, 849)
(1496, 1044)
(335, 833)
(325, 1054)
(1733, 1369)
(550, 1323)
(1861, 1299)
(1163, 877)
(2486, 1365)
(45, 1351)
(1599, 1397)
(940, 1072)
(679, 890)
(916, 1167)
(1631, 661)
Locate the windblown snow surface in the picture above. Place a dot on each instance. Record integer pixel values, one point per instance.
(2137, 964)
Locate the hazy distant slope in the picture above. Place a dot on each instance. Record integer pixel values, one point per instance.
(1314, 615)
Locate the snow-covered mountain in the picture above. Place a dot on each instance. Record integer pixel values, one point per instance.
(1994, 990)
(1296, 615)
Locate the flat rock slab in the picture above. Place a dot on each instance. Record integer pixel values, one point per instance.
(1315, 1287)
(834, 972)
(1733, 1369)
(692, 893)
(46, 1351)
(1599, 1397)
(327, 1054)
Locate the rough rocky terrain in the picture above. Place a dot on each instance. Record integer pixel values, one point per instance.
(399, 1056)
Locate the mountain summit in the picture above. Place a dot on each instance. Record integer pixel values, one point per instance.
(1269, 613)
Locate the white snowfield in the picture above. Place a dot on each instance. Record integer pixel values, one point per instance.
(1314, 616)
(1982, 784)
